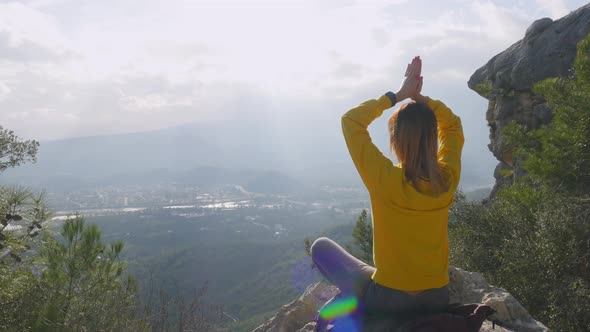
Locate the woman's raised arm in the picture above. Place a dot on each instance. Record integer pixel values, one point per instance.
(376, 170)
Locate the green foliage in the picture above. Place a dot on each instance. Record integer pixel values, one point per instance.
(86, 285)
(21, 208)
(533, 242)
(484, 89)
(558, 154)
(179, 312)
(14, 151)
(533, 238)
(362, 239)
(83, 285)
(21, 298)
(471, 236)
(506, 173)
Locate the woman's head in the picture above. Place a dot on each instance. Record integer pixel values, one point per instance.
(414, 138)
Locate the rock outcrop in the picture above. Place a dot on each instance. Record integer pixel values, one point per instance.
(548, 49)
(465, 287)
(293, 316)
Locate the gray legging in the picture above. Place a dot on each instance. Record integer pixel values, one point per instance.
(353, 277)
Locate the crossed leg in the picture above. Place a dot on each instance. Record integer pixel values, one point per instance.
(345, 271)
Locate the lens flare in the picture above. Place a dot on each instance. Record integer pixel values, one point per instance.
(339, 308)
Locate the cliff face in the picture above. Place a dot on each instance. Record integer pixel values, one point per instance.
(548, 49)
(465, 287)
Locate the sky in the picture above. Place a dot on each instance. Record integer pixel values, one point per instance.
(80, 67)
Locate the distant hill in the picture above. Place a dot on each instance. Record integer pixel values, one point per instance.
(266, 182)
(164, 154)
(203, 154)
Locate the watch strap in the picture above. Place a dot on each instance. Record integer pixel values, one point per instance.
(391, 97)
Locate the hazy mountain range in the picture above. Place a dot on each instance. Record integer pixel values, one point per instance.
(200, 154)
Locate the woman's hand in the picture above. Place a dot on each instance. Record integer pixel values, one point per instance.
(412, 84)
(418, 97)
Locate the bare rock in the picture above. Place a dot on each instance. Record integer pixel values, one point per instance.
(471, 287)
(295, 315)
(465, 287)
(548, 49)
(487, 326)
(309, 327)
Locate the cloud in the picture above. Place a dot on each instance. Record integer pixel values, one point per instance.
(154, 102)
(46, 3)
(501, 23)
(23, 25)
(5, 91)
(128, 65)
(451, 74)
(557, 8)
(23, 50)
(348, 70)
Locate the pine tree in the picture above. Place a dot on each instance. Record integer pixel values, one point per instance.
(558, 155)
(18, 206)
(86, 281)
(362, 235)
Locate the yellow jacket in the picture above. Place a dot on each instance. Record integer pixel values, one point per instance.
(410, 239)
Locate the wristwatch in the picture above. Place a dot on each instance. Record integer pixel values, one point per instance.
(391, 97)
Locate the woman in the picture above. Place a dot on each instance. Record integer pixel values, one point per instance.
(409, 202)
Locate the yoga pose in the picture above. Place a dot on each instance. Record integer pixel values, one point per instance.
(409, 202)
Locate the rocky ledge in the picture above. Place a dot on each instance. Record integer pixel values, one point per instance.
(465, 287)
